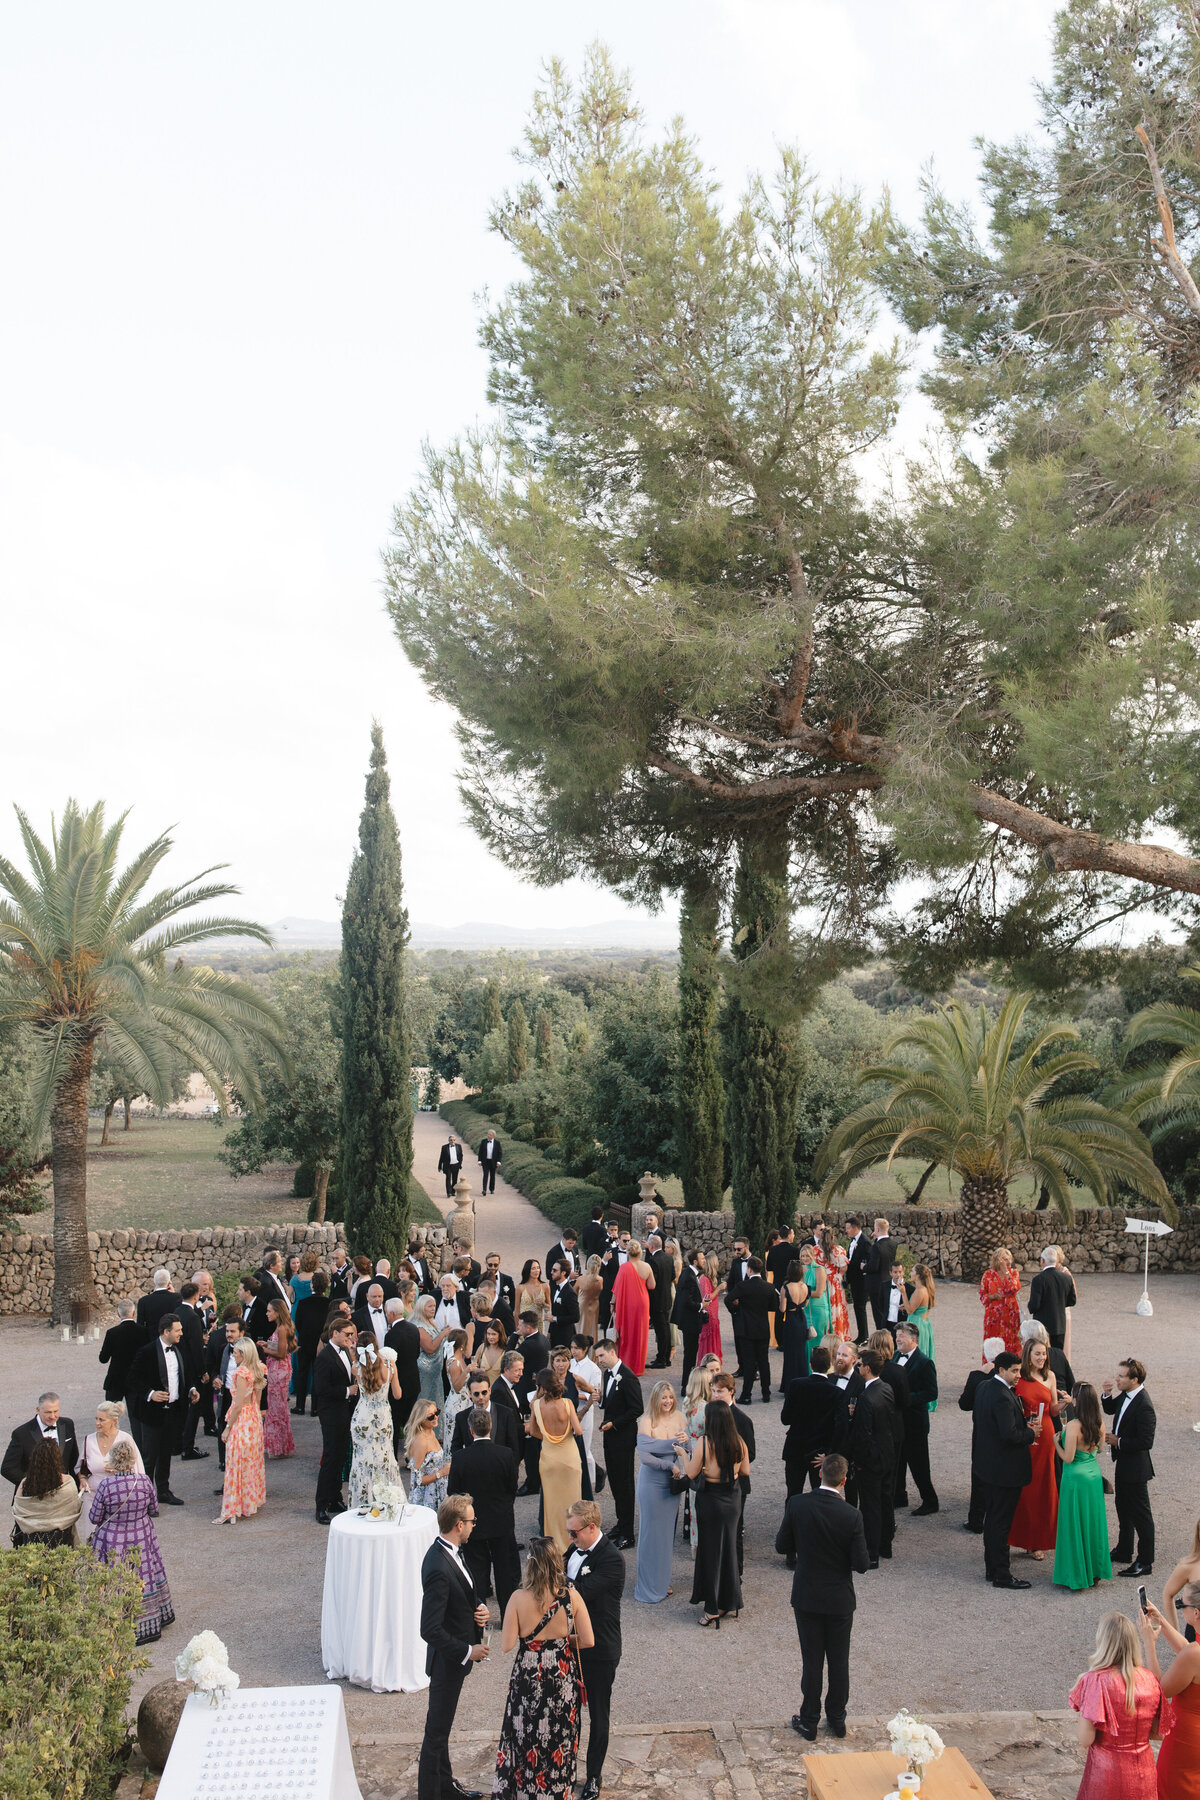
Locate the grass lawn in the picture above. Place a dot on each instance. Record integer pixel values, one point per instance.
(164, 1175)
(880, 1187)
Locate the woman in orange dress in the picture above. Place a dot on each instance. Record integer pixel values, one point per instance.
(1035, 1522)
(834, 1261)
(245, 1470)
(1179, 1757)
(1001, 1309)
(631, 1309)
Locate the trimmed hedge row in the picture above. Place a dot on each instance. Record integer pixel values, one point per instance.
(562, 1198)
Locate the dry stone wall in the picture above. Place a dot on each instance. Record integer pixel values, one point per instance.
(1095, 1241)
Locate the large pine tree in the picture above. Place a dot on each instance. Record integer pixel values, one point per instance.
(699, 1128)
(375, 1151)
(760, 1052)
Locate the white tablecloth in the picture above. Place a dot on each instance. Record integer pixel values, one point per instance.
(371, 1607)
(287, 1743)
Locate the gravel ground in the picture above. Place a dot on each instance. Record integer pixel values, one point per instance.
(930, 1633)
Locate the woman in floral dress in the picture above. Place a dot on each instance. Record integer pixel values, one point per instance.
(122, 1511)
(539, 1739)
(834, 1261)
(374, 1471)
(278, 1349)
(1001, 1309)
(245, 1471)
(428, 1463)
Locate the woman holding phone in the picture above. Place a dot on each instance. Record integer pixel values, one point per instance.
(1179, 1757)
(1035, 1522)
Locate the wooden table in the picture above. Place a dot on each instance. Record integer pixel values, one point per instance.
(869, 1775)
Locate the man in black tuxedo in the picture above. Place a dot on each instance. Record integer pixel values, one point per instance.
(191, 1348)
(564, 1306)
(311, 1313)
(1001, 1463)
(812, 1410)
(341, 1275)
(966, 1401)
(335, 1390)
(621, 1404)
(824, 1541)
(845, 1375)
(757, 1300)
(453, 1615)
(858, 1255)
(158, 1387)
(689, 1313)
(383, 1280)
(781, 1256)
(872, 1441)
(491, 1155)
(404, 1338)
(122, 1342)
(921, 1371)
(219, 1366)
(508, 1389)
(594, 1241)
(419, 1259)
(879, 1273)
(504, 1422)
(596, 1570)
(152, 1306)
(468, 1276)
(1131, 1441)
(1051, 1292)
(662, 1298)
(506, 1287)
(616, 1255)
(370, 1321)
(270, 1287)
(739, 1272)
(534, 1350)
(487, 1470)
(566, 1252)
(450, 1164)
(47, 1422)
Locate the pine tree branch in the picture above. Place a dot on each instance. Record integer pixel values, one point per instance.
(1166, 249)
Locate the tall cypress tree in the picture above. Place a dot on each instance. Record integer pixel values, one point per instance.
(760, 1050)
(375, 1149)
(700, 1096)
(493, 1018)
(518, 1042)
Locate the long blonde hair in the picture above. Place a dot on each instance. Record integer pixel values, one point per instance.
(1117, 1648)
(416, 1424)
(699, 1390)
(657, 1394)
(247, 1354)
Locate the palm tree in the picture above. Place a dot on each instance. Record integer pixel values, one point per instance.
(84, 953)
(1162, 1096)
(972, 1102)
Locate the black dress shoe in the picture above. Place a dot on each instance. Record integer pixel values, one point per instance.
(464, 1793)
(170, 1500)
(745, 1399)
(806, 1731)
(925, 1512)
(976, 1530)
(1137, 1568)
(324, 1518)
(525, 1490)
(591, 1790)
(219, 1492)
(899, 1503)
(1009, 1581)
(193, 1456)
(885, 1550)
(874, 1563)
(601, 1478)
(837, 1727)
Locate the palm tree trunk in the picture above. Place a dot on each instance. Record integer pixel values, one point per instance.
(984, 1222)
(128, 1119)
(73, 1284)
(108, 1113)
(320, 1183)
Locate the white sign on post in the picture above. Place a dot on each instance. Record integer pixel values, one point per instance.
(1146, 1229)
(262, 1744)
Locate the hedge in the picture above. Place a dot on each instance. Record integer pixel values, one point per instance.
(564, 1199)
(68, 1653)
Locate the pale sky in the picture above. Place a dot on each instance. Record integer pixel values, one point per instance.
(241, 249)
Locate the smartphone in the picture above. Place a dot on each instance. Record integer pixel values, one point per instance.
(1142, 1601)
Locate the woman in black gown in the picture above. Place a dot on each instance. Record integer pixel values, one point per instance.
(793, 1325)
(718, 1459)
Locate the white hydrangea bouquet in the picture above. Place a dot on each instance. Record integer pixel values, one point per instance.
(205, 1663)
(916, 1743)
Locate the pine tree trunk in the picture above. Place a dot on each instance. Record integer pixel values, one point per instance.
(128, 1114)
(915, 1196)
(108, 1113)
(985, 1223)
(320, 1187)
(73, 1283)
(700, 1092)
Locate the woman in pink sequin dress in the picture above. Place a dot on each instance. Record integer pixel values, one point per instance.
(277, 1355)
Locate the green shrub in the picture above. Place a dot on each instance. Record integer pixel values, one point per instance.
(225, 1287)
(563, 1198)
(421, 1209)
(68, 1654)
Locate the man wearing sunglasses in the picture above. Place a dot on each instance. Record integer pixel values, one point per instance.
(596, 1570)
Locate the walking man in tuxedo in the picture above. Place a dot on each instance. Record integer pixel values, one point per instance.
(879, 1274)
(452, 1618)
(1001, 1462)
(47, 1422)
(1050, 1293)
(621, 1404)
(757, 1300)
(596, 1570)
(491, 1155)
(858, 1255)
(564, 1306)
(823, 1539)
(739, 1272)
(662, 1297)
(1131, 1441)
(689, 1313)
(158, 1385)
(487, 1470)
(450, 1164)
(922, 1395)
(335, 1390)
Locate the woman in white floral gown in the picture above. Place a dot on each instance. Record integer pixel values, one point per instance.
(374, 1472)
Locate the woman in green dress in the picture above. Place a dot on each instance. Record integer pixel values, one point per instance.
(820, 1313)
(922, 1298)
(1081, 1556)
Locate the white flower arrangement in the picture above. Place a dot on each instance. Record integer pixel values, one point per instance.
(916, 1743)
(205, 1663)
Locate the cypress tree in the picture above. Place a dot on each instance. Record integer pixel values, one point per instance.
(375, 1148)
(518, 1042)
(760, 1051)
(700, 1097)
(493, 1018)
(543, 1038)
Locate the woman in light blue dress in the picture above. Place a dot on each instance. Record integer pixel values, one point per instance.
(428, 1464)
(662, 1435)
(431, 1360)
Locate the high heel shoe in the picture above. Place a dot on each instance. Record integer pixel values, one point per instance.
(731, 1615)
(707, 1619)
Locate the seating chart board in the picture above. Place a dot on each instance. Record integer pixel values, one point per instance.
(262, 1744)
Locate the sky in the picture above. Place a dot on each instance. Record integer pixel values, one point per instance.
(244, 248)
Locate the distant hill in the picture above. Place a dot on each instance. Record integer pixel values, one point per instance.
(610, 934)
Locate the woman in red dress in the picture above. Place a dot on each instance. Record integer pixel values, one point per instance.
(1118, 1701)
(710, 1292)
(1179, 1757)
(631, 1309)
(1035, 1522)
(1001, 1309)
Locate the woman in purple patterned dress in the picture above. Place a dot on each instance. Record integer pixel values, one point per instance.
(123, 1513)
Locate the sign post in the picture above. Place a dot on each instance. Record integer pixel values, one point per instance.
(1146, 1228)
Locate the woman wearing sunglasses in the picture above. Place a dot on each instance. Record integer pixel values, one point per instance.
(428, 1463)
